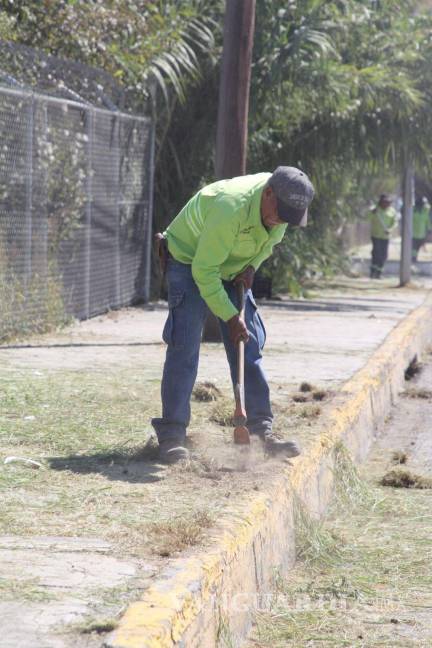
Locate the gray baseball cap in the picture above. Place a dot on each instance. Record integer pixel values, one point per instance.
(294, 193)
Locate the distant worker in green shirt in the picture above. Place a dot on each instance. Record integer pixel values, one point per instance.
(383, 219)
(218, 239)
(421, 225)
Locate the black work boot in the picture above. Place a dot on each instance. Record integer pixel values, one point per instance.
(273, 446)
(172, 450)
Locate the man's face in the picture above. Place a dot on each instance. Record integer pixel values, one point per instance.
(269, 211)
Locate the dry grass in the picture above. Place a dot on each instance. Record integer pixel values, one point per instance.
(418, 392)
(98, 626)
(405, 479)
(320, 394)
(310, 411)
(309, 394)
(24, 590)
(205, 392)
(174, 535)
(222, 413)
(363, 578)
(36, 308)
(314, 544)
(350, 490)
(399, 457)
(91, 431)
(306, 387)
(300, 397)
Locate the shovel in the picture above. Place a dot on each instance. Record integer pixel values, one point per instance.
(241, 433)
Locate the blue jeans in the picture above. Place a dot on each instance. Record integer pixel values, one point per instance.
(182, 333)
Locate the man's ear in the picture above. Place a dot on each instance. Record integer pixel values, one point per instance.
(269, 193)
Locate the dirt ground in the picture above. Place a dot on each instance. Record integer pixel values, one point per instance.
(363, 578)
(87, 531)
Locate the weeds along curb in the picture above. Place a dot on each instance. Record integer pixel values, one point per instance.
(207, 599)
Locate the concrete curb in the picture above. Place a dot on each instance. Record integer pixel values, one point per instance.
(199, 600)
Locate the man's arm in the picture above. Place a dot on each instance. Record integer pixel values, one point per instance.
(214, 246)
(216, 242)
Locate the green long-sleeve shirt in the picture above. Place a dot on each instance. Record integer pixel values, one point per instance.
(383, 222)
(421, 222)
(220, 232)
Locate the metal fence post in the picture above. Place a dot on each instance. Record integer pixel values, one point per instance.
(117, 257)
(88, 213)
(148, 243)
(407, 224)
(28, 224)
(44, 212)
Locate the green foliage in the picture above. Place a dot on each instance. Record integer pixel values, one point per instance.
(136, 41)
(342, 89)
(301, 258)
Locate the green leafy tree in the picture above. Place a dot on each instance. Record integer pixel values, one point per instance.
(340, 88)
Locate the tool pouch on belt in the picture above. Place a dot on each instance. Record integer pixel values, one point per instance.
(162, 251)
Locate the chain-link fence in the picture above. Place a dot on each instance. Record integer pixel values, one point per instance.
(75, 209)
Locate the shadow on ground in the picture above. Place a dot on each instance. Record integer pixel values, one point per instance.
(136, 466)
(71, 345)
(331, 306)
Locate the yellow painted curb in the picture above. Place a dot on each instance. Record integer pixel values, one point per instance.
(187, 606)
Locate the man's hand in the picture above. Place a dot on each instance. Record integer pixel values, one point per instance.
(246, 277)
(237, 329)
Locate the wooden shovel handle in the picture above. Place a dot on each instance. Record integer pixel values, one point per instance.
(240, 347)
(241, 433)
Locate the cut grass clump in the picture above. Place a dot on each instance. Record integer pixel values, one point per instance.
(98, 626)
(306, 387)
(417, 392)
(315, 546)
(320, 394)
(405, 479)
(309, 392)
(223, 413)
(175, 535)
(300, 398)
(350, 489)
(206, 392)
(399, 457)
(310, 411)
(413, 368)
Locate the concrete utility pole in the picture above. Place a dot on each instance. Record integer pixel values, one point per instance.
(407, 224)
(231, 138)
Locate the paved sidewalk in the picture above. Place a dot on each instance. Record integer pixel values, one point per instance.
(324, 341)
